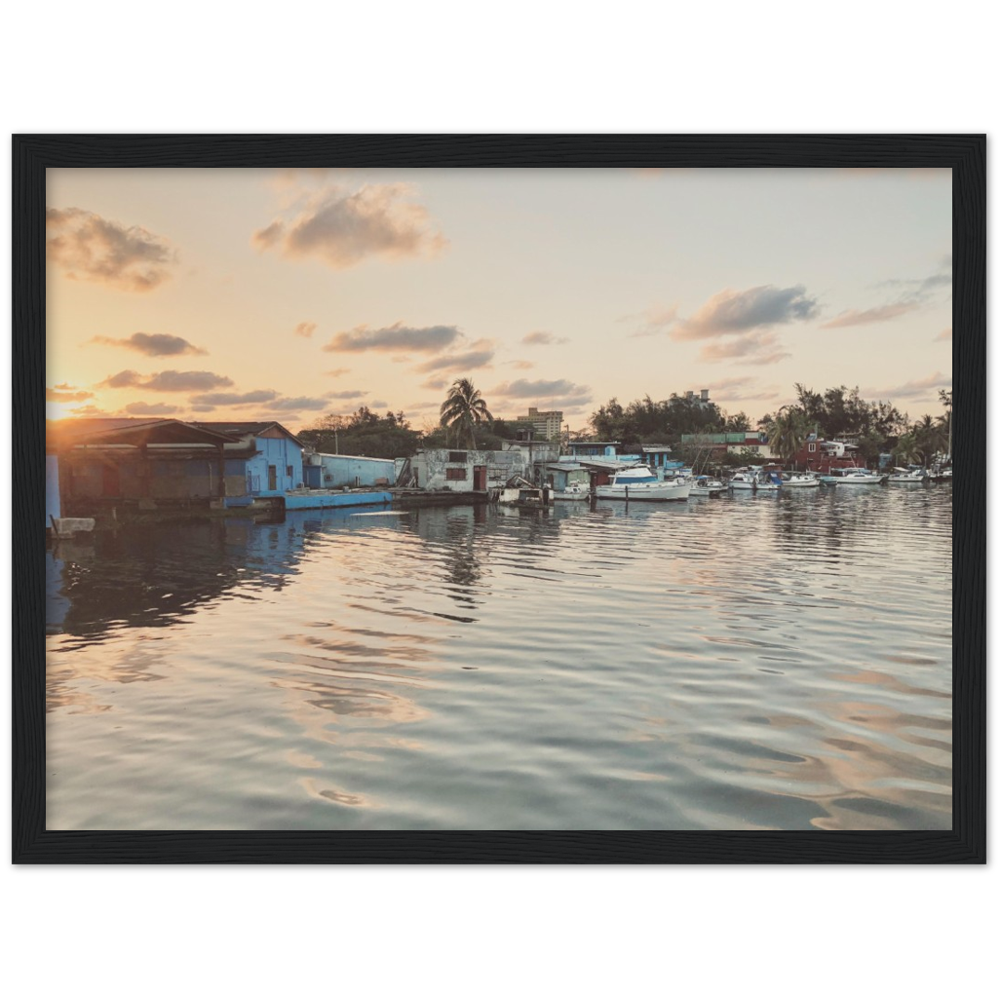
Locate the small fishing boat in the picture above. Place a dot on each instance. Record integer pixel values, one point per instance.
(799, 480)
(572, 491)
(905, 476)
(704, 486)
(759, 482)
(639, 482)
(851, 477)
(743, 481)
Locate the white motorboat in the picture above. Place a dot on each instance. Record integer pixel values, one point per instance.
(639, 482)
(704, 486)
(799, 480)
(851, 477)
(759, 482)
(904, 476)
(743, 481)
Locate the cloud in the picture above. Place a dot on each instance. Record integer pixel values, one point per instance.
(915, 389)
(151, 409)
(234, 398)
(342, 227)
(173, 381)
(761, 348)
(543, 337)
(433, 384)
(121, 381)
(523, 388)
(155, 345)
(305, 329)
(299, 403)
(912, 294)
(862, 317)
(90, 411)
(337, 372)
(555, 393)
(346, 394)
(168, 381)
(652, 321)
(522, 365)
(67, 394)
(480, 356)
(395, 338)
(379, 404)
(87, 247)
(943, 335)
(758, 308)
(202, 408)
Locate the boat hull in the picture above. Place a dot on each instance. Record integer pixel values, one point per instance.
(657, 491)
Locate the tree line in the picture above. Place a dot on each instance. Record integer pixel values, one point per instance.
(466, 421)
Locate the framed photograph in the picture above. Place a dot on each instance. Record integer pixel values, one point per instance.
(499, 499)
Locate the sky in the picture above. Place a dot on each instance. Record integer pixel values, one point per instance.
(292, 294)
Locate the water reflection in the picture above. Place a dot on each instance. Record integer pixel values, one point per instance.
(772, 662)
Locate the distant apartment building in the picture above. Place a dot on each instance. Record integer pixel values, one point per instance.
(547, 423)
(702, 399)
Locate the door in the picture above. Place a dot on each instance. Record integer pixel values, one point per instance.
(272, 477)
(479, 477)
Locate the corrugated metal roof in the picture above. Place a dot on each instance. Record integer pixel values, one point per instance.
(243, 427)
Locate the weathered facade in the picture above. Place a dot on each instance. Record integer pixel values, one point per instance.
(466, 471)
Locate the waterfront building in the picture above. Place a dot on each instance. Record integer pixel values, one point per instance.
(730, 442)
(463, 471)
(330, 472)
(593, 449)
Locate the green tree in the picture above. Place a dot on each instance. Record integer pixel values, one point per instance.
(787, 432)
(364, 433)
(464, 410)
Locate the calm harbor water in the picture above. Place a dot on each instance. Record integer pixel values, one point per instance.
(755, 662)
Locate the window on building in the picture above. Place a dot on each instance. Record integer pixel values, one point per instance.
(812, 447)
(456, 456)
(288, 471)
(455, 474)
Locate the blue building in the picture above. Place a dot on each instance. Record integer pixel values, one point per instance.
(164, 462)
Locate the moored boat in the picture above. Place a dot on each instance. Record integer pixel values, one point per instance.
(904, 476)
(639, 482)
(705, 486)
(851, 477)
(573, 491)
(798, 480)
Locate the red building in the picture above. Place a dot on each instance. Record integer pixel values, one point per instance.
(822, 456)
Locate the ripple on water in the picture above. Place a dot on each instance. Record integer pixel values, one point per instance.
(742, 663)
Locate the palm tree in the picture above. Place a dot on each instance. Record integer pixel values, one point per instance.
(930, 438)
(463, 410)
(787, 432)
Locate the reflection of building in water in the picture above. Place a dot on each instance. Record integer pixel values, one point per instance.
(154, 575)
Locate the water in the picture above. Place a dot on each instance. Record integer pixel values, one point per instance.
(759, 662)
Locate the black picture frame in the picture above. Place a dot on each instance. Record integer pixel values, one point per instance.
(964, 843)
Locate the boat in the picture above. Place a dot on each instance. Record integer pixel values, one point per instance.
(639, 482)
(767, 481)
(743, 481)
(760, 482)
(903, 476)
(705, 486)
(851, 477)
(799, 480)
(573, 491)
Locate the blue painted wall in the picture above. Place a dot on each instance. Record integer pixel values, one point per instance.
(283, 454)
(52, 506)
(350, 470)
